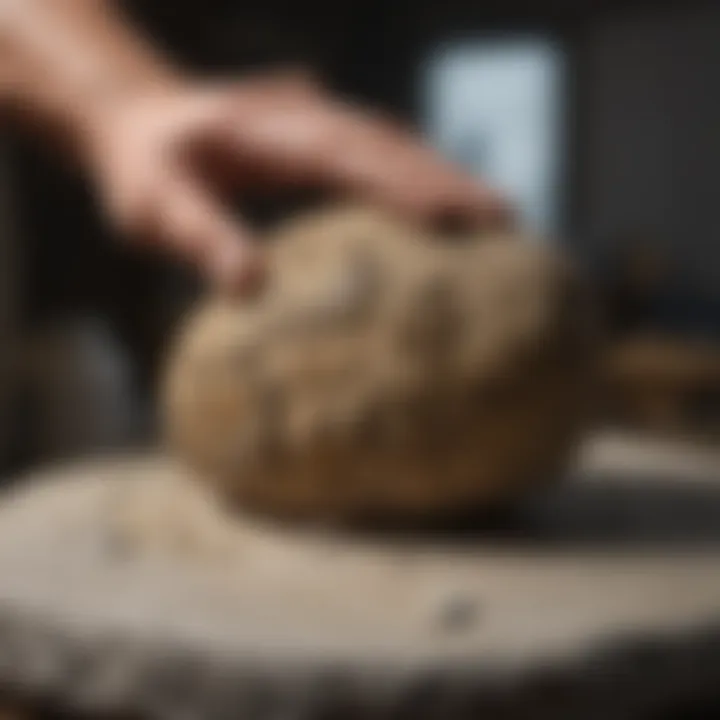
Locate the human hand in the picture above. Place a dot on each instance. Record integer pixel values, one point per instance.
(165, 160)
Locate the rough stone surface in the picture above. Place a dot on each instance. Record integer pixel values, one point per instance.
(386, 373)
(206, 616)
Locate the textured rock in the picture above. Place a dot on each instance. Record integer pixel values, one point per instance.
(385, 373)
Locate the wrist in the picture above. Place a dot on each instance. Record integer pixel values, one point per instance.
(63, 65)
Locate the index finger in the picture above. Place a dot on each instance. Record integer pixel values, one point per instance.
(377, 158)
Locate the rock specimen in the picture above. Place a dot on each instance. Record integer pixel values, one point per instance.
(386, 373)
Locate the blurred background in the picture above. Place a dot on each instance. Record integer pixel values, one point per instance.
(598, 117)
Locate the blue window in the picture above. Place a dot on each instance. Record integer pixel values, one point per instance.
(496, 105)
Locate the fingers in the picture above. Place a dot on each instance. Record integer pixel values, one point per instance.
(278, 131)
(199, 229)
(378, 160)
(179, 216)
(305, 138)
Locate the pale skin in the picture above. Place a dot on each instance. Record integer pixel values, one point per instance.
(163, 148)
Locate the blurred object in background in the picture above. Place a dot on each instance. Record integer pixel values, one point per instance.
(77, 390)
(663, 367)
(636, 277)
(644, 290)
(665, 385)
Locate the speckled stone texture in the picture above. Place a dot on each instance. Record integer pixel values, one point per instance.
(599, 600)
(386, 374)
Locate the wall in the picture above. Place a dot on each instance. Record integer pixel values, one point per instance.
(651, 137)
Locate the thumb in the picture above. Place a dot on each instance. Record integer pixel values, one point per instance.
(197, 227)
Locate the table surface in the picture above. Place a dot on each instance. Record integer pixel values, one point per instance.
(626, 552)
